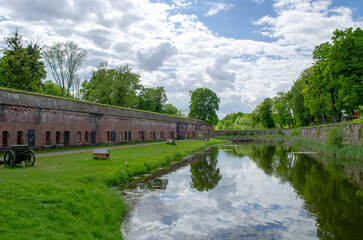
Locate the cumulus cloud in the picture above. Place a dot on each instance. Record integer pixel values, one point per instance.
(168, 46)
(306, 23)
(220, 74)
(217, 7)
(153, 58)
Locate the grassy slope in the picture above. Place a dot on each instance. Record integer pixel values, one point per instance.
(66, 196)
(350, 154)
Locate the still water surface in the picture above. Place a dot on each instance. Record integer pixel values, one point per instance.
(249, 191)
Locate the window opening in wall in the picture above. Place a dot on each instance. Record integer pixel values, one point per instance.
(130, 136)
(66, 137)
(172, 135)
(113, 136)
(143, 136)
(19, 137)
(31, 137)
(58, 138)
(47, 138)
(79, 137)
(5, 138)
(86, 137)
(154, 135)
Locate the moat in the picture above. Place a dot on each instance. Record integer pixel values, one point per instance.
(248, 191)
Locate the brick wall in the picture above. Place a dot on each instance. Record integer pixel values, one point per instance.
(61, 122)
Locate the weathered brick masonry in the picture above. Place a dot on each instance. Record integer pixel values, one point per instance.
(44, 121)
(353, 132)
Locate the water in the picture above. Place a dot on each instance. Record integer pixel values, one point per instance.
(249, 191)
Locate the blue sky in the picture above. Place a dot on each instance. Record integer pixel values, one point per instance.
(244, 50)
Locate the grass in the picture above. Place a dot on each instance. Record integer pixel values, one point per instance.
(349, 154)
(69, 196)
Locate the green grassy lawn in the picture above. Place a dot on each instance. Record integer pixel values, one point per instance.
(69, 196)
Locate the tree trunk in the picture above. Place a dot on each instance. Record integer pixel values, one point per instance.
(333, 107)
(323, 117)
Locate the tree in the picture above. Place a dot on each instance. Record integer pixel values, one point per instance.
(152, 99)
(64, 59)
(265, 113)
(21, 66)
(346, 67)
(297, 99)
(51, 88)
(281, 111)
(203, 105)
(117, 86)
(172, 110)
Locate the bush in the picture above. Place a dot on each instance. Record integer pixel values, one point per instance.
(335, 138)
(295, 132)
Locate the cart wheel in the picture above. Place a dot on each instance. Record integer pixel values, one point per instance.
(9, 158)
(30, 160)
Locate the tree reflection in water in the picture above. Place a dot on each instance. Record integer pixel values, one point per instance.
(329, 195)
(204, 173)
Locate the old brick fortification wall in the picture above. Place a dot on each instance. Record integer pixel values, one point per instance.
(353, 132)
(44, 121)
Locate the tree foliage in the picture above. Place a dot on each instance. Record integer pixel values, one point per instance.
(21, 66)
(203, 105)
(116, 86)
(152, 99)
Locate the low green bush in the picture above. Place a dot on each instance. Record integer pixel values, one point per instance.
(295, 132)
(335, 138)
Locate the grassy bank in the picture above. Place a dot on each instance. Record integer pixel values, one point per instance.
(349, 153)
(68, 196)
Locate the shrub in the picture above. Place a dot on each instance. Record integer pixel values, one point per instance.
(335, 137)
(295, 132)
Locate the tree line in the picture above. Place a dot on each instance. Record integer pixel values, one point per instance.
(23, 67)
(325, 92)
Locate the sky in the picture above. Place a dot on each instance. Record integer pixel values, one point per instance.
(243, 50)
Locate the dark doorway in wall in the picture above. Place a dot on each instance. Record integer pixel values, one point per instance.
(93, 137)
(66, 137)
(31, 137)
(86, 137)
(5, 138)
(113, 136)
(47, 138)
(130, 137)
(19, 138)
(172, 135)
(153, 135)
(58, 138)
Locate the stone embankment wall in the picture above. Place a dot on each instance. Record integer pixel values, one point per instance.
(353, 132)
(44, 121)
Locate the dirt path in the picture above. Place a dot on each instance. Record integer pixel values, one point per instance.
(92, 149)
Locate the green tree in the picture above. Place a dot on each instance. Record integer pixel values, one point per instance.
(203, 105)
(346, 67)
(51, 88)
(152, 99)
(21, 66)
(297, 99)
(281, 111)
(172, 110)
(117, 86)
(265, 113)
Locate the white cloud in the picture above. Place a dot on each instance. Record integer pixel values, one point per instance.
(217, 7)
(167, 47)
